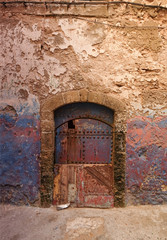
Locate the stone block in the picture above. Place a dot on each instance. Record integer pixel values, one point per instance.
(47, 126)
(47, 115)
(47, 141)
(47, 161)
(46, 182)
(46, 199)
(70, 97)
(95, 97)
(119, 200)
(119, 142)
(119, 159)
(52, 103)
(83, 95)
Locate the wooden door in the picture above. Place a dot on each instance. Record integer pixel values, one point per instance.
(83, 164)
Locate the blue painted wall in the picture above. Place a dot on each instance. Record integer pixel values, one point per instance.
(19, 152)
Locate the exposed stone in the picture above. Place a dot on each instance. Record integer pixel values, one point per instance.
(53, 103)
(47, 126)
(47, 140)
(83, 95)
(23, 94)
(72, 96)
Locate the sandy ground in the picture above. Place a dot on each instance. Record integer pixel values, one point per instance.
(30, 223)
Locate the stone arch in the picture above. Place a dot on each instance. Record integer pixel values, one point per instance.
(47, 139)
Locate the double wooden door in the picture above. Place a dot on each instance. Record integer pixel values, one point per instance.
(83, 170)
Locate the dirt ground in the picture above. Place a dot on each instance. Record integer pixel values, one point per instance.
(31, 223)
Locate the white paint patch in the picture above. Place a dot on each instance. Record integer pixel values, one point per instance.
(75, 36)
(28, 107)
(33, 34)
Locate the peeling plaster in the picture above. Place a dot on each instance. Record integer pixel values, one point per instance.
(110, 54)
(82, 37)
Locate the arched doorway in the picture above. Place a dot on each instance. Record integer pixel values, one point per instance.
(47, 123)
(83, 167)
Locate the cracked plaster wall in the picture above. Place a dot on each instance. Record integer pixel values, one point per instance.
(123, 56)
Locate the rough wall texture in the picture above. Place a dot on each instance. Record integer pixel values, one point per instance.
(20, 149)
(146, 172)
(90, 51)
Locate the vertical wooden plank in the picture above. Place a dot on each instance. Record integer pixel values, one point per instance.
(61, 144)
(64, 184)
(72, 189)
(56, 188)
(80, 186)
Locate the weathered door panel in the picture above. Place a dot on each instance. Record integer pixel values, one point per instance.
(84, 185)
(72, 187)
(74, 147)
(96, 186)
(60, 192)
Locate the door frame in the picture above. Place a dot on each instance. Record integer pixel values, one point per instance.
(48, 146)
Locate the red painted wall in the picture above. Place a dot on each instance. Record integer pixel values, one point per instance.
(146, 160)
